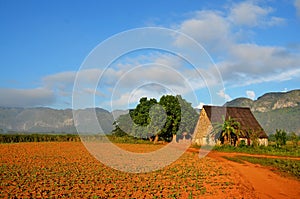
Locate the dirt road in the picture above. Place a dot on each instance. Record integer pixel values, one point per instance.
(264, 182)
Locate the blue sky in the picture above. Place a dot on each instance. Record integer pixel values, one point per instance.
(254, 45)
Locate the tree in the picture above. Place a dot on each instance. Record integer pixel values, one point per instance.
(172, 108)
(230, 131)
(141, 118)
(294, 139)
(272, 138)
(227, 132)
(280, 137)
(123, 126)
(157, 120)
(181, 117)
(170, 116)
(189, 117)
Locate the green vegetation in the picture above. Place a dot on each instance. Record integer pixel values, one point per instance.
(166, 119)
(291, 167)
(280, 138)
(280, 144)
(22, 137)
(127, 139)
(287, 150)
(234, 159)
(229, 131)
(15, 138)
(284, 118)
(293, 138)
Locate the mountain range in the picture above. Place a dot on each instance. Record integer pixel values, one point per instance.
(276, 110)
(47, 120)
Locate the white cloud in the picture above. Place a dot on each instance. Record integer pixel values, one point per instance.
(222, 94)
(128, 80)
(250, 14)
(167, 70)
(250, 94)
(218, 31)
(150, 90)
(67, 78)
(91, 91)
(251, 63)
(239, 63)
(60, 78)
(278, 77)
(62, 83)
(297, 6)
(26, 97)
(209, 28)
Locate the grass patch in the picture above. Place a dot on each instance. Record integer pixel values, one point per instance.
(265, 150)
(234, 159)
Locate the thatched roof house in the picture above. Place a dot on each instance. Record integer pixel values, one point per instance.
(210, 116)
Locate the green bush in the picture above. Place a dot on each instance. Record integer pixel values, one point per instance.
(242, 144)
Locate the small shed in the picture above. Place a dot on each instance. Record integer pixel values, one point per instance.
(210, 116)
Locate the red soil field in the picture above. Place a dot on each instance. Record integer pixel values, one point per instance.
(56, 170)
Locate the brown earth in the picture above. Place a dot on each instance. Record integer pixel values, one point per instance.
(262, 180)
(66, 169)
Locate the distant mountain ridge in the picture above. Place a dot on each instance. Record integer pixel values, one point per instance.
(269, 101)
(46, 120)
(276, 110)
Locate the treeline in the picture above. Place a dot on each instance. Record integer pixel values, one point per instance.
(15, 138)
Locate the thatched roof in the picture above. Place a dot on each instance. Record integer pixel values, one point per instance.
(242, 115)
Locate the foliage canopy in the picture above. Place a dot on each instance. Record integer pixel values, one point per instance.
(172, 115)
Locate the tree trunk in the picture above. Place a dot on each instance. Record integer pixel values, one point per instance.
(174, 138)
(156, 139)
(150, 139)
(226, 140)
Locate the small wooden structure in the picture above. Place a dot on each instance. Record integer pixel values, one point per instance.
(210, 116)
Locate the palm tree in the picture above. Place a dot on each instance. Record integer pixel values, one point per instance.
(230, 131)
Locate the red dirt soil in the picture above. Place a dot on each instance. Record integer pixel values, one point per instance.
(56, 170)
(260, 179)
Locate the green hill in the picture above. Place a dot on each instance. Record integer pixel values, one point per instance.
(273, 111)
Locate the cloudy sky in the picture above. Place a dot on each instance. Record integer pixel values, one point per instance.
(248, 48)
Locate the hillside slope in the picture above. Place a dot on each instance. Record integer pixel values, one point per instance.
(41, 120)
(274, 110)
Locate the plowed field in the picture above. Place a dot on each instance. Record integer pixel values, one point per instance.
(56, 170)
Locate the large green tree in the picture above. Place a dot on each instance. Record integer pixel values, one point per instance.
(141, 118)
(169, 117)
(172, 108)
